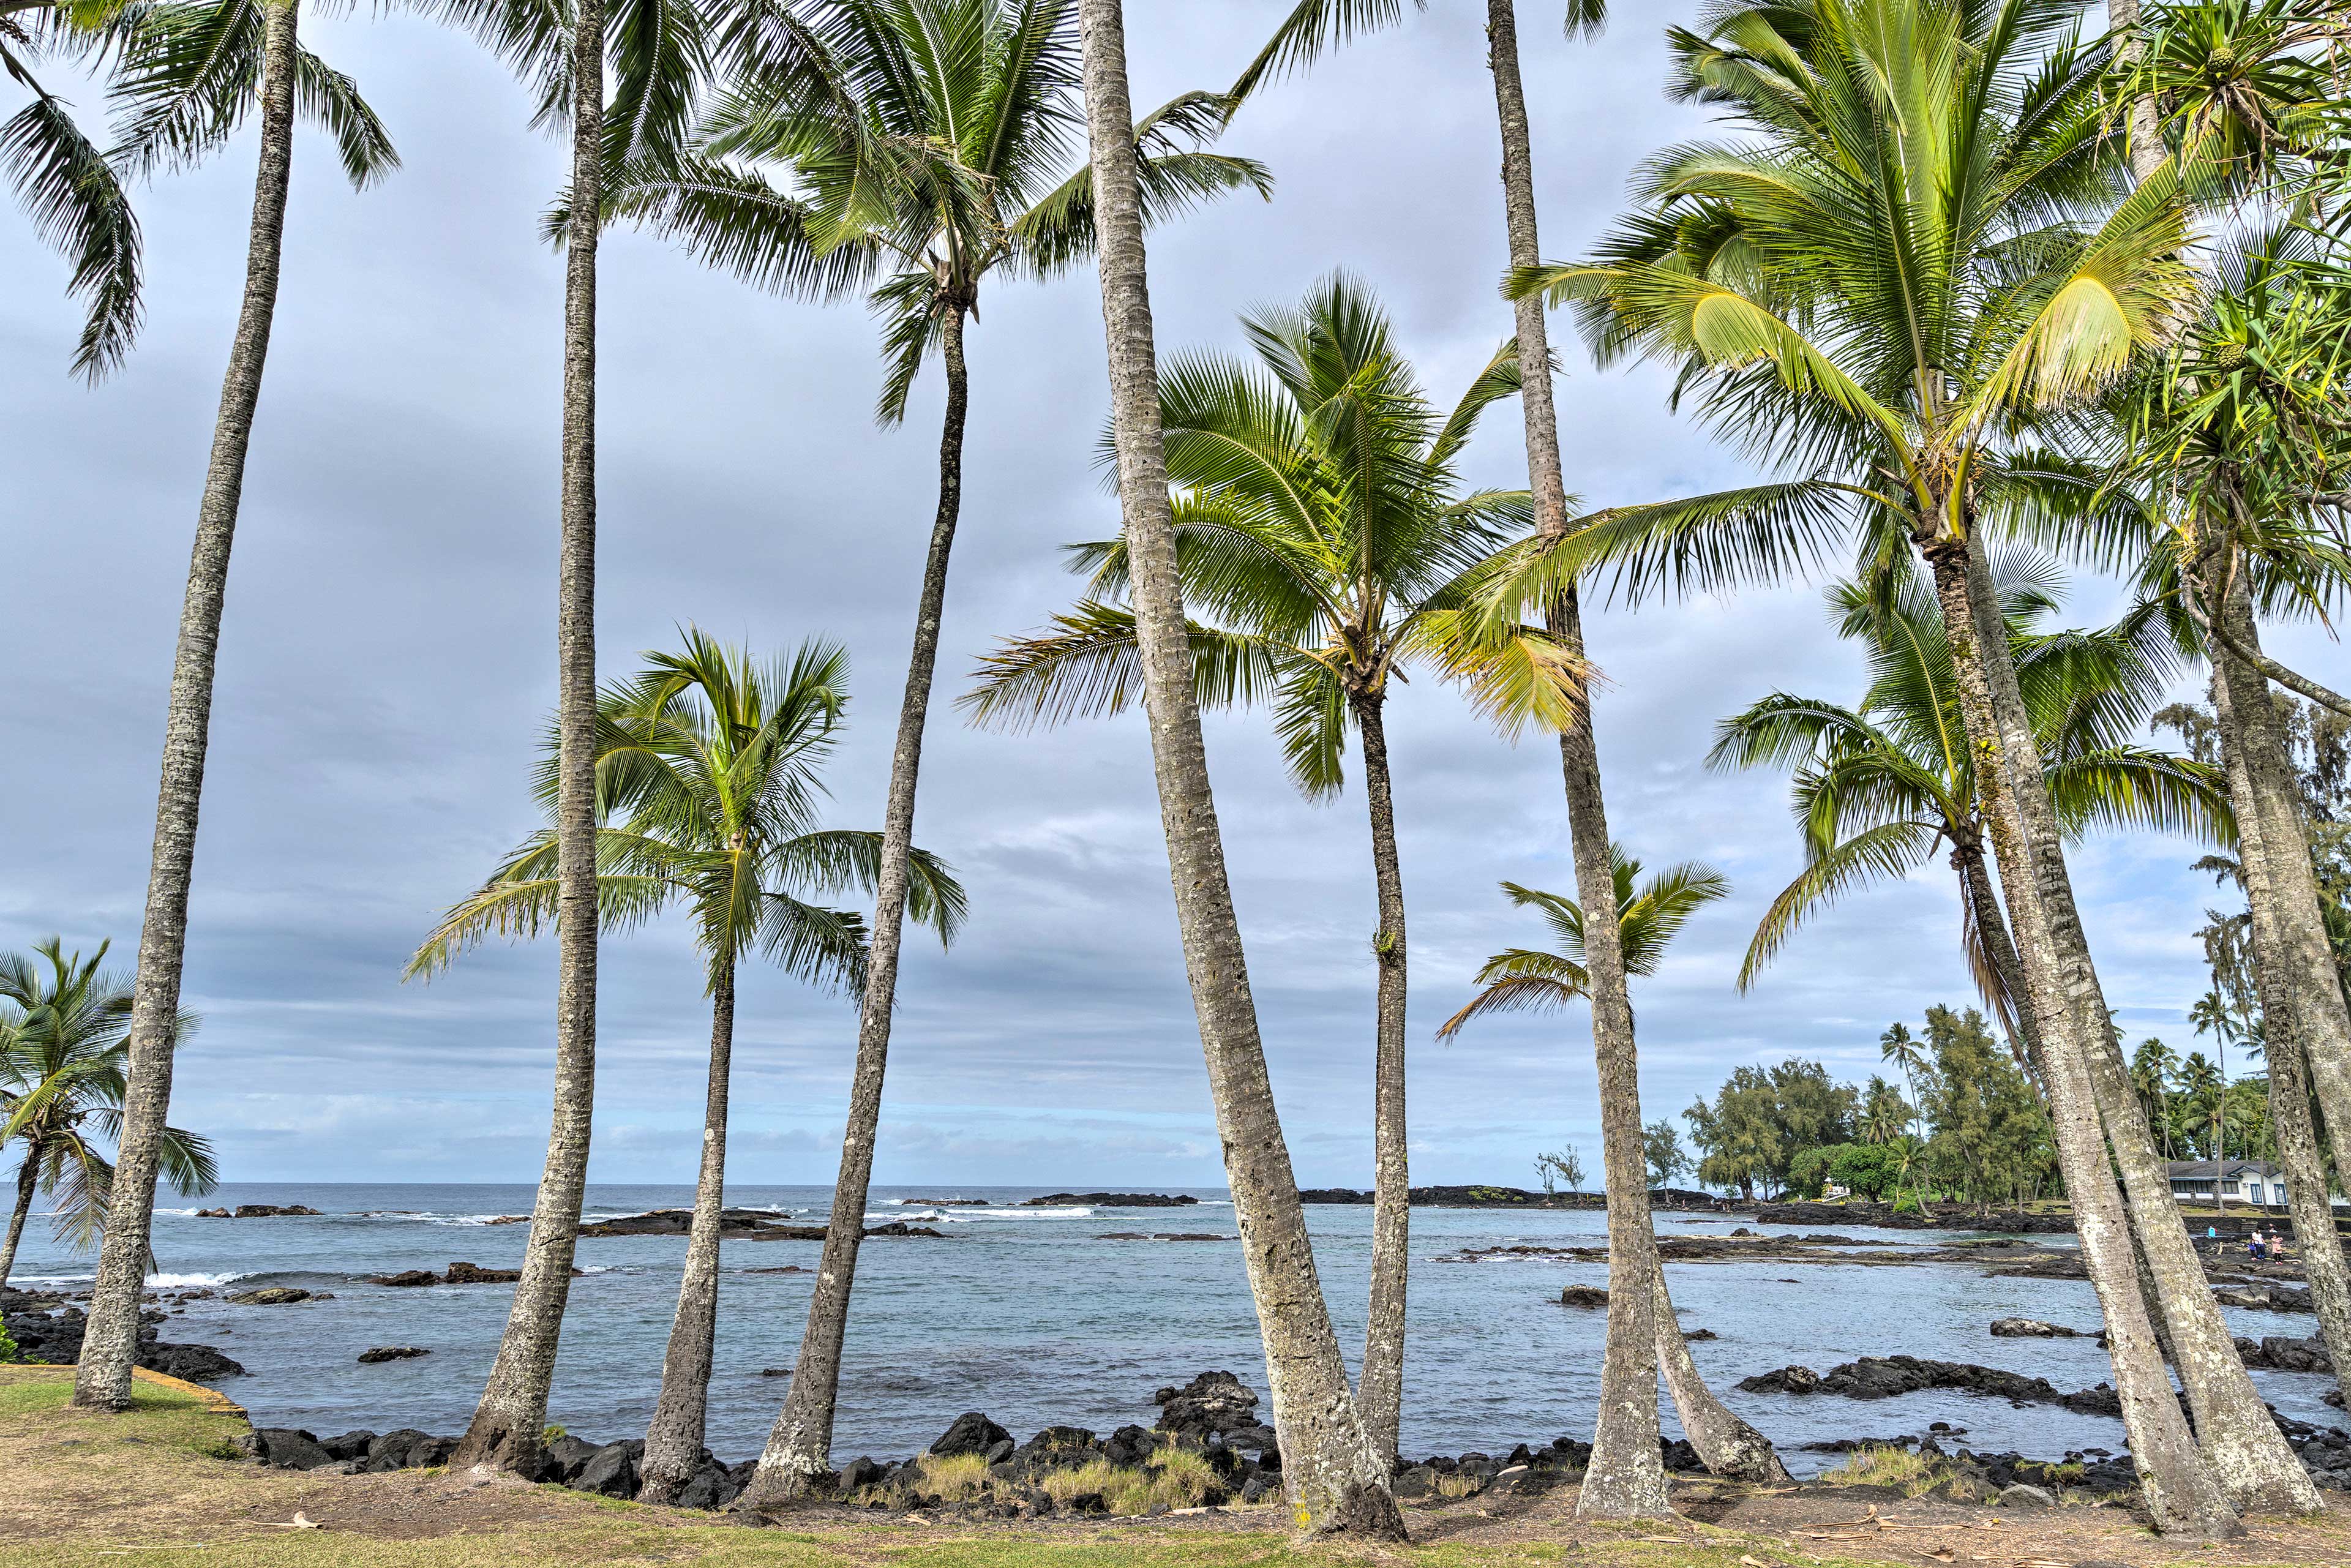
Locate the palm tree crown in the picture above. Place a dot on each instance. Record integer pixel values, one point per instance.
(65, 1035)
(1650, 913)
(1880, 788)
(709, 782)
(1324, 540)
(916, 146)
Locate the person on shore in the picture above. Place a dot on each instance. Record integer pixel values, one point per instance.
(2256, 1246)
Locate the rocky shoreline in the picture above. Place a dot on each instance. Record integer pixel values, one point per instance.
(1207, 1446)
(739, 1224)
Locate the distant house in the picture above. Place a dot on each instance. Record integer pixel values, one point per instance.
(2241, 1181)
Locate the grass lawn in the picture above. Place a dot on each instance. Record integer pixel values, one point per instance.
(156, 1487)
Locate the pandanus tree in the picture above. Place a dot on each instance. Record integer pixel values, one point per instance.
(191, 73)
(73, 195)
(1322, 535)
(1922, 246)
(710, 774)
(65, 1028)
(1625, 1481)
(912, 149)
(1331, 1473)
(1879, 789)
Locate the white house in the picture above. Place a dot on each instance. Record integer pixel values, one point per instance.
(2241, 1181)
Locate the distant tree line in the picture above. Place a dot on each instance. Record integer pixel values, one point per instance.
(1964, 1124)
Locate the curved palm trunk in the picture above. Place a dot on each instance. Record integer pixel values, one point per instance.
(2304, 1019)
(2247, 1455)
(674, 1438)
(1333, 1476)
(1379, 1389)
(508, 1424)
(1626, 1479)
(110, 1346)
(1726, 1444)
(2181, 1494)
(27, 1176)
(798, 1455)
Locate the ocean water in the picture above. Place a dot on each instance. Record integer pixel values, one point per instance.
(1031, 1315)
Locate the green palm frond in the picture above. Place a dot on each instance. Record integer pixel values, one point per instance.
(78, 206)
(329, 99)
(1889, 852)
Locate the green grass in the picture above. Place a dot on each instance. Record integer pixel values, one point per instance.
(1875, 1465)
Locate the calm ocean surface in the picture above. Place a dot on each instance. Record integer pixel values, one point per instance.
(1029, 1315)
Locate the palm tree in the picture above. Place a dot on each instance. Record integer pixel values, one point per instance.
(192, 72)
(1887, 298)
(65, 1028)
(1884, 1112)
(1323, 529)
(655, 54)
(1650, 912)
(713, 766)
(918, 148)
(1650, 915)
(2152, 1067)
(1880, 788)
(1626, 1480)
(1330, 1472)
(73, 195)
(2208, 1081)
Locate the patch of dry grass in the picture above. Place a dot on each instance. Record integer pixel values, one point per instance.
(1877, 1465)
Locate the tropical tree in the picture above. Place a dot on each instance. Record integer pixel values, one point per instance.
(2152, 1067)
(73, 194)
(913, 150)
(1650, 915)
(1322, 533)
(1626, 1479)
(65, 1028)
(651, 55)
(1650, 912)
(1668, 1159)
(1881, 788)
(1884, 1112)
(1330, 1472)
(710, 767)
(192, 72)
(1919, 254)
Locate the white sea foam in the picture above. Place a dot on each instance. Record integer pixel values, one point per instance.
(190, 1282)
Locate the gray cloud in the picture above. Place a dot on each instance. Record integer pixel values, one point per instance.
(389, 658)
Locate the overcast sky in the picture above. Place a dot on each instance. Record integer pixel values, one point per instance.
(389, 658)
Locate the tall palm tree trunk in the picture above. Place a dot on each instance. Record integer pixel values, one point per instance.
(509, 1422)
(27, 1174)
(1626, 1479)
(2182, 1496)
(674, 1438)
(1379, 1389)
(110, 1344)
(2247, 1455)
(1330, 1470)
(798, 1455)
(2302, 1015)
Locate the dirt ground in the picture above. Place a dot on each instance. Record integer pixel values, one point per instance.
(154, 1487)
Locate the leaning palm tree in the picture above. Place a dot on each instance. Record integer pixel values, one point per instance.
(1323, 532)
(1920, 252)
(74, 195)
(711, 773)
(1880, 788)
(913, 150)
(65, 1028)
(192, 73)
(1330, 1472)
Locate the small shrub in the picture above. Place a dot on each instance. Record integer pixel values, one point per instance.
(550, 1435)
(1875, 1465)
(8, 1351)
(1456, 1485)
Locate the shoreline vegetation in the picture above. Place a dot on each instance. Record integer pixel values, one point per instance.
(1952, 277)
(172, 1480)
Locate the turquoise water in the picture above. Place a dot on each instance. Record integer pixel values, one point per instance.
(1027, 1315)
